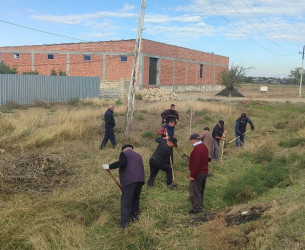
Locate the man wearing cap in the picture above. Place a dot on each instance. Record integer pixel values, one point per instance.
(207, 139)
(162, 159)
(109, 125)
(132, 178)
(198, 166)
(218, 131)
(240, 128)
(170, 114)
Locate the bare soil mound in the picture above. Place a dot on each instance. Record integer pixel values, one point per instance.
(227, 92)
(33, 173)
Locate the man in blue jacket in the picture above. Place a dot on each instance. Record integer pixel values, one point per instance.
(132, 178)
(240, 128)
(109, 125)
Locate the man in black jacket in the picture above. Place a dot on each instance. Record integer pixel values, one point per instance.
(132, 178)
(218, 131)
(162, 159)
(109, 125)
(170, 114)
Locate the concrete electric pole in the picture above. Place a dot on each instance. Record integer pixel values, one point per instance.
(300, 89)
(134, 73)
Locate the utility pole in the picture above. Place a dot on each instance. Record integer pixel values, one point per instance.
(134, 72)
(300, 89)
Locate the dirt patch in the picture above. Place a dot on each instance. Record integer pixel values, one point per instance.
(202, 218)
(240, 217)
(33, 173)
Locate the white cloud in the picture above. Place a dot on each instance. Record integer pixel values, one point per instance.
(127, 7)
(166, 19)
(77, 19)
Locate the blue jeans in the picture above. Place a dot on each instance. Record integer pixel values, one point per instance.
(240, 141)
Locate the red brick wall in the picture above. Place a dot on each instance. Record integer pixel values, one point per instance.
(115, 69)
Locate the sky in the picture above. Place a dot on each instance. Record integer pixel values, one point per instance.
(265, 36)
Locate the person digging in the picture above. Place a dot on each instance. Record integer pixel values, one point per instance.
(240, 128)
(132, 178)
(162, 159)
(198, 167)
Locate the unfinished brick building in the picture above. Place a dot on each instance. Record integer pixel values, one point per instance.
(159, 64)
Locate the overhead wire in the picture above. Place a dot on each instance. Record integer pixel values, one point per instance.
(251, 39)
(42, 31)
(237, 11)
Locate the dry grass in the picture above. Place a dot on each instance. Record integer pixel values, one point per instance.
(85, 214)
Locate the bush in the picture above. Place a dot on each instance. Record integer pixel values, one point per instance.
(30, 73)
(138, 97)
(73, 101)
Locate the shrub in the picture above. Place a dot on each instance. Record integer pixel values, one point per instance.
(12, 105)
(30, 73)
(138, 97)
(139, 116)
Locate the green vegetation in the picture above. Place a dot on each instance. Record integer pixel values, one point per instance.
(266, 176)
(5, 69)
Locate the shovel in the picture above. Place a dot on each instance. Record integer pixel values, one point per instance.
(184, 157)
(238, 137)
(115, 180)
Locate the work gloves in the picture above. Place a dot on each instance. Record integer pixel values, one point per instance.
(105, 166)
(252, 127)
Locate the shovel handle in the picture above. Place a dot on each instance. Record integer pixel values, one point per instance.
(115, 180)
(238, 136)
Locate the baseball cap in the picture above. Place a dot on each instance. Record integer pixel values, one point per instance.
(127, 146)
(243, 115)
(195, 136)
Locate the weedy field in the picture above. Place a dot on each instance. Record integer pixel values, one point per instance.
(54, 193)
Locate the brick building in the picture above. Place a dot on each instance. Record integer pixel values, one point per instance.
(159, 63)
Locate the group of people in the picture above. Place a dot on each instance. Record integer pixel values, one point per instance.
(131, 167)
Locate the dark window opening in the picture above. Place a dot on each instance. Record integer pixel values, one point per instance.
(50, 56)
(87, 57)
(123, 58)
(153, 70)
(201, 70)
(16, 55)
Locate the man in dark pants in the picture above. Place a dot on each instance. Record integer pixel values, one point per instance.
(132, 178)
(162, 159)
(240, 128)
(109, 125)
(198, 166)
(218, 131)
(170, 114)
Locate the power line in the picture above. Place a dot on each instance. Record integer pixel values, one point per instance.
(42, 31)
(251, 39)
(255, 27)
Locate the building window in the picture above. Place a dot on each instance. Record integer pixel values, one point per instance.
(50, 56)
(87, 57)
(123, 58)
(201, 70)
(16, 55)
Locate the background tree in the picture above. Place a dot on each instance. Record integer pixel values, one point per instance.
(233, 77)
(62, 73)
(295, 76)
(5, 69)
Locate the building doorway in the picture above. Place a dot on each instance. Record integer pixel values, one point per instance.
(153, 71)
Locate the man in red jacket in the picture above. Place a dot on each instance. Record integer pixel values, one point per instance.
(198, 166)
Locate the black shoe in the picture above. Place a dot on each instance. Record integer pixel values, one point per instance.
(194, 212)
(173, 185)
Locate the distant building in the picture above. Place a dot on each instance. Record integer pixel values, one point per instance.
(159, 63)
